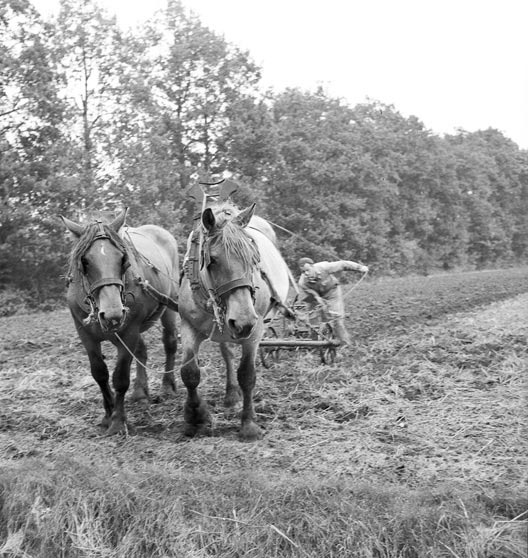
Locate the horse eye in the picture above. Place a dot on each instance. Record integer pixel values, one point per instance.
(212, 260)
(84, 263)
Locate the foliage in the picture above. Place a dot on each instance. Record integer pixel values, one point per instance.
(32, 151)
(13, 301)
(366, 183)
(93, 117)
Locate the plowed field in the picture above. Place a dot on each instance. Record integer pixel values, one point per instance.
(428, 400)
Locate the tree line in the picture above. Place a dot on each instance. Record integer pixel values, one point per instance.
(94, 117)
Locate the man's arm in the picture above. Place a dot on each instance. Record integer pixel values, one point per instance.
(306, 294)
(341, 265)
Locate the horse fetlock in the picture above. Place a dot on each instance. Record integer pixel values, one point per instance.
(232, 397)
(168, 385)
(167, 392)
(191, 377)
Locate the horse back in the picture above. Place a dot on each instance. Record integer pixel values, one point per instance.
(271, 262)
(156, 247)
(260, 224)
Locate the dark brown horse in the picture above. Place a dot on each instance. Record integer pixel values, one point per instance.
(234, 278)
(121, 280)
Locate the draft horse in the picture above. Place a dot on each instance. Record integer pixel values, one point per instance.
(234, 276)
(121, 281)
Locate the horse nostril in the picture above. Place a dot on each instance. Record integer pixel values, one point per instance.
(241, 332)
(246, 331)
(233, 326)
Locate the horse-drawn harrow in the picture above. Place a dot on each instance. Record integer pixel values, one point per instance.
(285, 334)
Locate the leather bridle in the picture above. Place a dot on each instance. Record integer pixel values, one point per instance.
(217, 293)
(91, 289)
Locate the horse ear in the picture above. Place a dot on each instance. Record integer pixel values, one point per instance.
(74, 228)
(208, 219)
(119, 221)
(244, 217)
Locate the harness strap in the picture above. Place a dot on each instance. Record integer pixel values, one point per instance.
(275, 298)
(191, 269)
(231, 285)
(163, 299)
(101, 231)
(105, 282)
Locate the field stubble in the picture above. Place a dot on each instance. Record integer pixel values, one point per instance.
(411, 444)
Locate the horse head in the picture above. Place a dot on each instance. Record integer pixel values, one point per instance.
(99, 262)
(229, 260)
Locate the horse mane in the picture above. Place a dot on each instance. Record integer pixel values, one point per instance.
(75, 266)
(233, 237)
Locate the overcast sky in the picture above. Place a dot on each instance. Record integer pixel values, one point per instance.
(452, 63)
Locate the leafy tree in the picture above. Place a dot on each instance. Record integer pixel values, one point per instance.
(491, 172)
(87, 51)
(309, 187)
(92, 117)
(180, 83)
(30, 139)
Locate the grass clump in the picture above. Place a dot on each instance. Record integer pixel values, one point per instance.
(67, 509)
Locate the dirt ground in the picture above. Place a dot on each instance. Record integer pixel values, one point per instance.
(431, 393)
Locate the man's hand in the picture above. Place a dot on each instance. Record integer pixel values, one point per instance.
(363, 269)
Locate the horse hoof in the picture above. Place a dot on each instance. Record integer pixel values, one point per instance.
(105, 423)
(197, 415)
(194, 430)
(119, 427)
(143, 403)
(250, 432)
(140, 396)
(167, 393)
(114, 429)
(231, 413)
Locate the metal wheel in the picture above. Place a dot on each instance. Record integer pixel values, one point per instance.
(269, 355)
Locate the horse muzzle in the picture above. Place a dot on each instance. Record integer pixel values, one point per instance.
(112, 321)
(241, 320)
(240, 330)
(111, 312)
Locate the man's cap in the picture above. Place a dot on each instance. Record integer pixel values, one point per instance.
(304, 261)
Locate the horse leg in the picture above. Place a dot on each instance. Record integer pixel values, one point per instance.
(170, 343)
(195, 411)
(232, 392)
(141, 391)
(121, 381)
(99, 372)
(249, 430)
